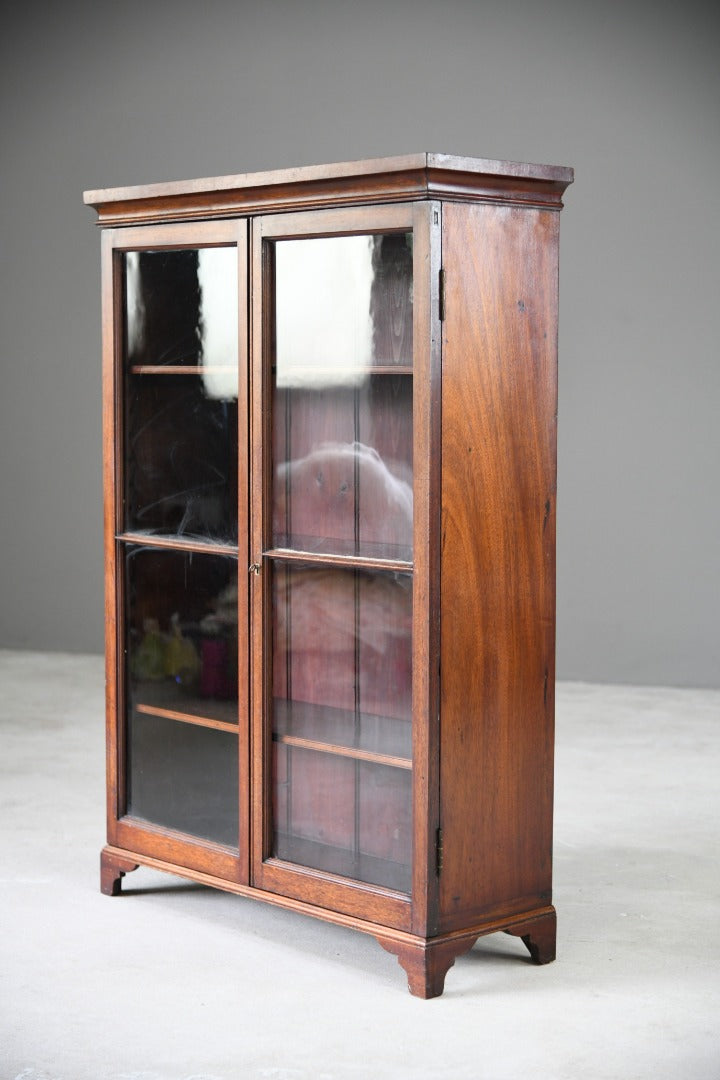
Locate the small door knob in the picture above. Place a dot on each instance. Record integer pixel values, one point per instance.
(254, 568)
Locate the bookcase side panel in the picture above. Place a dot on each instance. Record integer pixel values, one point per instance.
(498, 560)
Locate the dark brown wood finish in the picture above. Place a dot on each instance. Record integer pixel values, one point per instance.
(426, 582)
(426, 963)
(538, 936)
(244, 558)
(110, 333)
(113, 868)
(125, 830)
(499, 434)
(262, 342)
(385, 180)
(466, 759)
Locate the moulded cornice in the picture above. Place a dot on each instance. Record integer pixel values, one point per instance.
(380, 180)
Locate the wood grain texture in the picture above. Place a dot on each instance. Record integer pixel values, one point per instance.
(368, 903)
(202, 547)
(113, 868)
(116, 862)
(158, 235)
(244, 559)
(427, 253)
(262, 348)
(498, 573)
(187, 853)
(384, 180)
(188, 718)
(111, 298)
(538, 936)
(426, 963)
(354, 169)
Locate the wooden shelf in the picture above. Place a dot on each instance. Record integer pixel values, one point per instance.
(379, 739)
(390, 369)
(341, 561)
(172, 543)
(338, 372)
(181, 369)
(206, 369)
(163, 697)
(386, 873)
(343, 751)
(187, 718)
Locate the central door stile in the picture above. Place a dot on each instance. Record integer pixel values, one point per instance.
(426, 597)
(243, 497)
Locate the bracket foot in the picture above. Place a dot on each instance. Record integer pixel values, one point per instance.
(426, 963)
(539, 936)
(113, 868)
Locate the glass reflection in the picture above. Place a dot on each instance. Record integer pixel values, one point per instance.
(342, 435)
(181, 625)
(342, 706)
(343, 306)
(343, 498)
(182, 691)
(181, 344)
(181, 459)
(183, 777)
(181, 310)
(342, 638)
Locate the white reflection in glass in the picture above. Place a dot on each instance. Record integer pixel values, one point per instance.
(342, 639)
(205, 318)
(349, 492)
(217, 325)
(134, 304)
(324, 327)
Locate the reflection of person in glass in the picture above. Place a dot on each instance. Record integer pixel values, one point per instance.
(344, 491)
(347, 635)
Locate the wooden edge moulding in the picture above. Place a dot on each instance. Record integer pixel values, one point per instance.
(383, 180)
(426, 963)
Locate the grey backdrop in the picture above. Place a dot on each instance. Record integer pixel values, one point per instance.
(106, 94)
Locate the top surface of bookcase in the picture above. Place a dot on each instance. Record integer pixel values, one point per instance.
(394, 179)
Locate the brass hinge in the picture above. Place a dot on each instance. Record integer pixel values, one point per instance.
(441, 299)
(439, 851)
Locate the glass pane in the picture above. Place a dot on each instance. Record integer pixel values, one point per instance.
(184, 777)
(341, 716)
(376, 735)
(343, 304)
(342, 396)
(182, 690)
(181, 458)
(181, 352)
(181, 309)
(343, 469)
(343, 817)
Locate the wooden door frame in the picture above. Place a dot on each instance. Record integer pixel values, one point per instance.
(125, 832)
(358, 899)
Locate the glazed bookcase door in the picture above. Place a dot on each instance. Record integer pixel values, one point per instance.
(175, 525)
(340, 626)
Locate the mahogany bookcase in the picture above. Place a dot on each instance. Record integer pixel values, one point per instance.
(330, 404)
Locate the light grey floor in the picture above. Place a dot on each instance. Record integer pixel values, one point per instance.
(176, 982)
